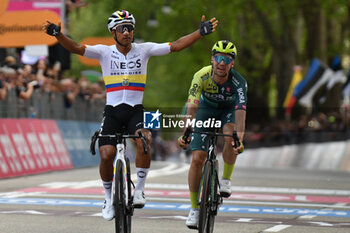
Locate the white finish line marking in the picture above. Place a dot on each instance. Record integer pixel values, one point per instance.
(260, 189)
(170, 169)
(307, 216)
(162, 172)
(277, 228)
(34, 212)
(244, 220)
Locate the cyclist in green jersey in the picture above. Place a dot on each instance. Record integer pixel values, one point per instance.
(218, 93)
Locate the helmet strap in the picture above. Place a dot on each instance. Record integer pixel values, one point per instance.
(115, 38)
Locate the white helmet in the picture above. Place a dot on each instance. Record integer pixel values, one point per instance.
(119, 17)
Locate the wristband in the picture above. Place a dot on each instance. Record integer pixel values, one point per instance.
(242, 149)
(205, 28)
(53, 30)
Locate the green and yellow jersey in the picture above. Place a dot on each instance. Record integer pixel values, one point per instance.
(204, 91)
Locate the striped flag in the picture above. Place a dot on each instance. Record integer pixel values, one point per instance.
(346, 91)
(297, 77)
(332, 92)
(336, 81)
(318, 75)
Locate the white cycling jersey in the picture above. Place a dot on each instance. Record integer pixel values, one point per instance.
(125, 76)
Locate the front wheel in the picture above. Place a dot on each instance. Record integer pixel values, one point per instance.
(130, 207)
(119, 200)
(206, 218)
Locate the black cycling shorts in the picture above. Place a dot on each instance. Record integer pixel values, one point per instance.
(122, 118)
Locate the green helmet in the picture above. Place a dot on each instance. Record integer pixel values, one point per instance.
(224, 46)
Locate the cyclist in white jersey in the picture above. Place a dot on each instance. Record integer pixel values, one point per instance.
(124, 68)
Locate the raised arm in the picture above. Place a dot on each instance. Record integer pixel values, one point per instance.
(55, 30)
(206, 27)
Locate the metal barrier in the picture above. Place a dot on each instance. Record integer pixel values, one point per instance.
(51, 105)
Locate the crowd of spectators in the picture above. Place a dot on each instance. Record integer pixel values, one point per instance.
(320, 127)
(26, 79)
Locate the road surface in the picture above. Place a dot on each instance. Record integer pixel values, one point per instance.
(263, 200)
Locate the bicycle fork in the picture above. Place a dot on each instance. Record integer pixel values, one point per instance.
(120, 156)
(216, 198)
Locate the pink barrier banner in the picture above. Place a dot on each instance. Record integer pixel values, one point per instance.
(30, 146)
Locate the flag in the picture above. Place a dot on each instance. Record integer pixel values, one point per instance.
(306, 99)
(297, 77)
(346, 91)
(314, 74)
(331, 93)
(318, 75)
(338, 78)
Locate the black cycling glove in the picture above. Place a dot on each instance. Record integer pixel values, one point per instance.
(205, 28)
(53, 30)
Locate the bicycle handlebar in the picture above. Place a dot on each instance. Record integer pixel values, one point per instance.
(144, 143)
(97, 135)
(236, 139)
(187, 134)
(234, 135)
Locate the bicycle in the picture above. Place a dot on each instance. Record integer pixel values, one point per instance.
(121, 186)
(208, 198)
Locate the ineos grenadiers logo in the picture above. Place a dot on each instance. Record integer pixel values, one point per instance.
(116, 65)
(151, 120)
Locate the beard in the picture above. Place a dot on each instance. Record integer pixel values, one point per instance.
(221, 74)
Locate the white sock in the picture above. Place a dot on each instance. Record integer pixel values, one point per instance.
(141, 178)
(108, 186)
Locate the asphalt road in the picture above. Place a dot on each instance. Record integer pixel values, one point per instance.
(263, 200)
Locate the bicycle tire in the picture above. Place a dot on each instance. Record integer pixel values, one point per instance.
(119, 199)
(130, 208)
(206, 218)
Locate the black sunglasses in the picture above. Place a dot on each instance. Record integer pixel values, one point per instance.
(121, 28)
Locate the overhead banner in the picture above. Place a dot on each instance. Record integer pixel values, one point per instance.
(3, 6)
(94, 41)
(25, 5)
(21, 28)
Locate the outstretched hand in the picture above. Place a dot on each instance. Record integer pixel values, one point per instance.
(51, 28)
(207, 27)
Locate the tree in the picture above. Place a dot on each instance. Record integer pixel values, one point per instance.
(271, 37)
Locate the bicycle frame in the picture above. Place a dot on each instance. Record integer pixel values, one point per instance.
(208, 197)
(123, 217)
(211, 161)
(122, 157)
